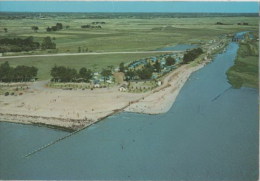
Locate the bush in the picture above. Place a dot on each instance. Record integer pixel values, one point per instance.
(7, 94)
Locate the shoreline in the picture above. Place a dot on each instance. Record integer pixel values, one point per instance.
(157, 101)
(162, 99)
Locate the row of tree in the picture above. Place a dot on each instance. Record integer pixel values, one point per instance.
(57, 27)
(65, 74)
(98, 22)
(20, 73)
(27, 44)
(18, 44)
(47, 43)
(90, 26)
(144, 74)
(147, 71)
(191, 55)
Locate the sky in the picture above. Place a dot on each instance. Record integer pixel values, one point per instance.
(128, 6)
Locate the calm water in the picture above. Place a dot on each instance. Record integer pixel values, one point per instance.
(211, 133)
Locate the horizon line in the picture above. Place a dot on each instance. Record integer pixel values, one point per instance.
(129, 12)
(131, 0)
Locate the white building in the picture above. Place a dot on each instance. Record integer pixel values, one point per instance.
(122, 89)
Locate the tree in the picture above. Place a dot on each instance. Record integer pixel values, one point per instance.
(79, 49)
(145, 73)
(48, 44)
(59, 26)
(19, 73)
(35, 28)
(4, 71)
(48, 29)
(63, 74)
(24, 73)
(70, 75)
(192, 55)
(18, 44)
(6, 30)
(170, 61)
(121, 67)
(157, 66)
(85, 74)
(106, 73)
(130, 74)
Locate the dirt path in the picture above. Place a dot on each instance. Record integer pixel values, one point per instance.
(39, 85)
(90, 53)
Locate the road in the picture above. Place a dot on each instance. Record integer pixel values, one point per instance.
(89, 53)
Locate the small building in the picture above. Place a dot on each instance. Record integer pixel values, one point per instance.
(97, 86)
(109, 81)
(122, 89)
(159, 83)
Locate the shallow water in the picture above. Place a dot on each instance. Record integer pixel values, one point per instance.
(210, 133)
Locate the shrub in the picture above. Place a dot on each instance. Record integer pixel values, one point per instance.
(7, 94)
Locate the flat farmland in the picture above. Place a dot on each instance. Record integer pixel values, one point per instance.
(116, 35)
(126, 34)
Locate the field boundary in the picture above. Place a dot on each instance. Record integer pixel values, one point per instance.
(90, 53)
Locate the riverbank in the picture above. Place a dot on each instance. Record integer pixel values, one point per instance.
(162, 98)
(75, 109)
(244, 73)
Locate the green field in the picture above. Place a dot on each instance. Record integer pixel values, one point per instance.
(118, 34)
(126, 34)
(93, 62)
(245, 70)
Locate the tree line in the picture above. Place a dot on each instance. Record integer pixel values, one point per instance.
(19, 73)
(90, 26)
(57, 27)
(191, 55)
(27, 44)
(66, 74)
(146, 71)
(18, 44)
(98, 22)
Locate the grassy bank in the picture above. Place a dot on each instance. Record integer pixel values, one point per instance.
(245, 70)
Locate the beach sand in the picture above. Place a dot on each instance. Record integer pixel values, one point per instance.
(162, 98)
(75, 109)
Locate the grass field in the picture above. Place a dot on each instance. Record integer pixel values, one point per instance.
(118, 34)
(245, 70)
(93, 62)
(126, 34)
